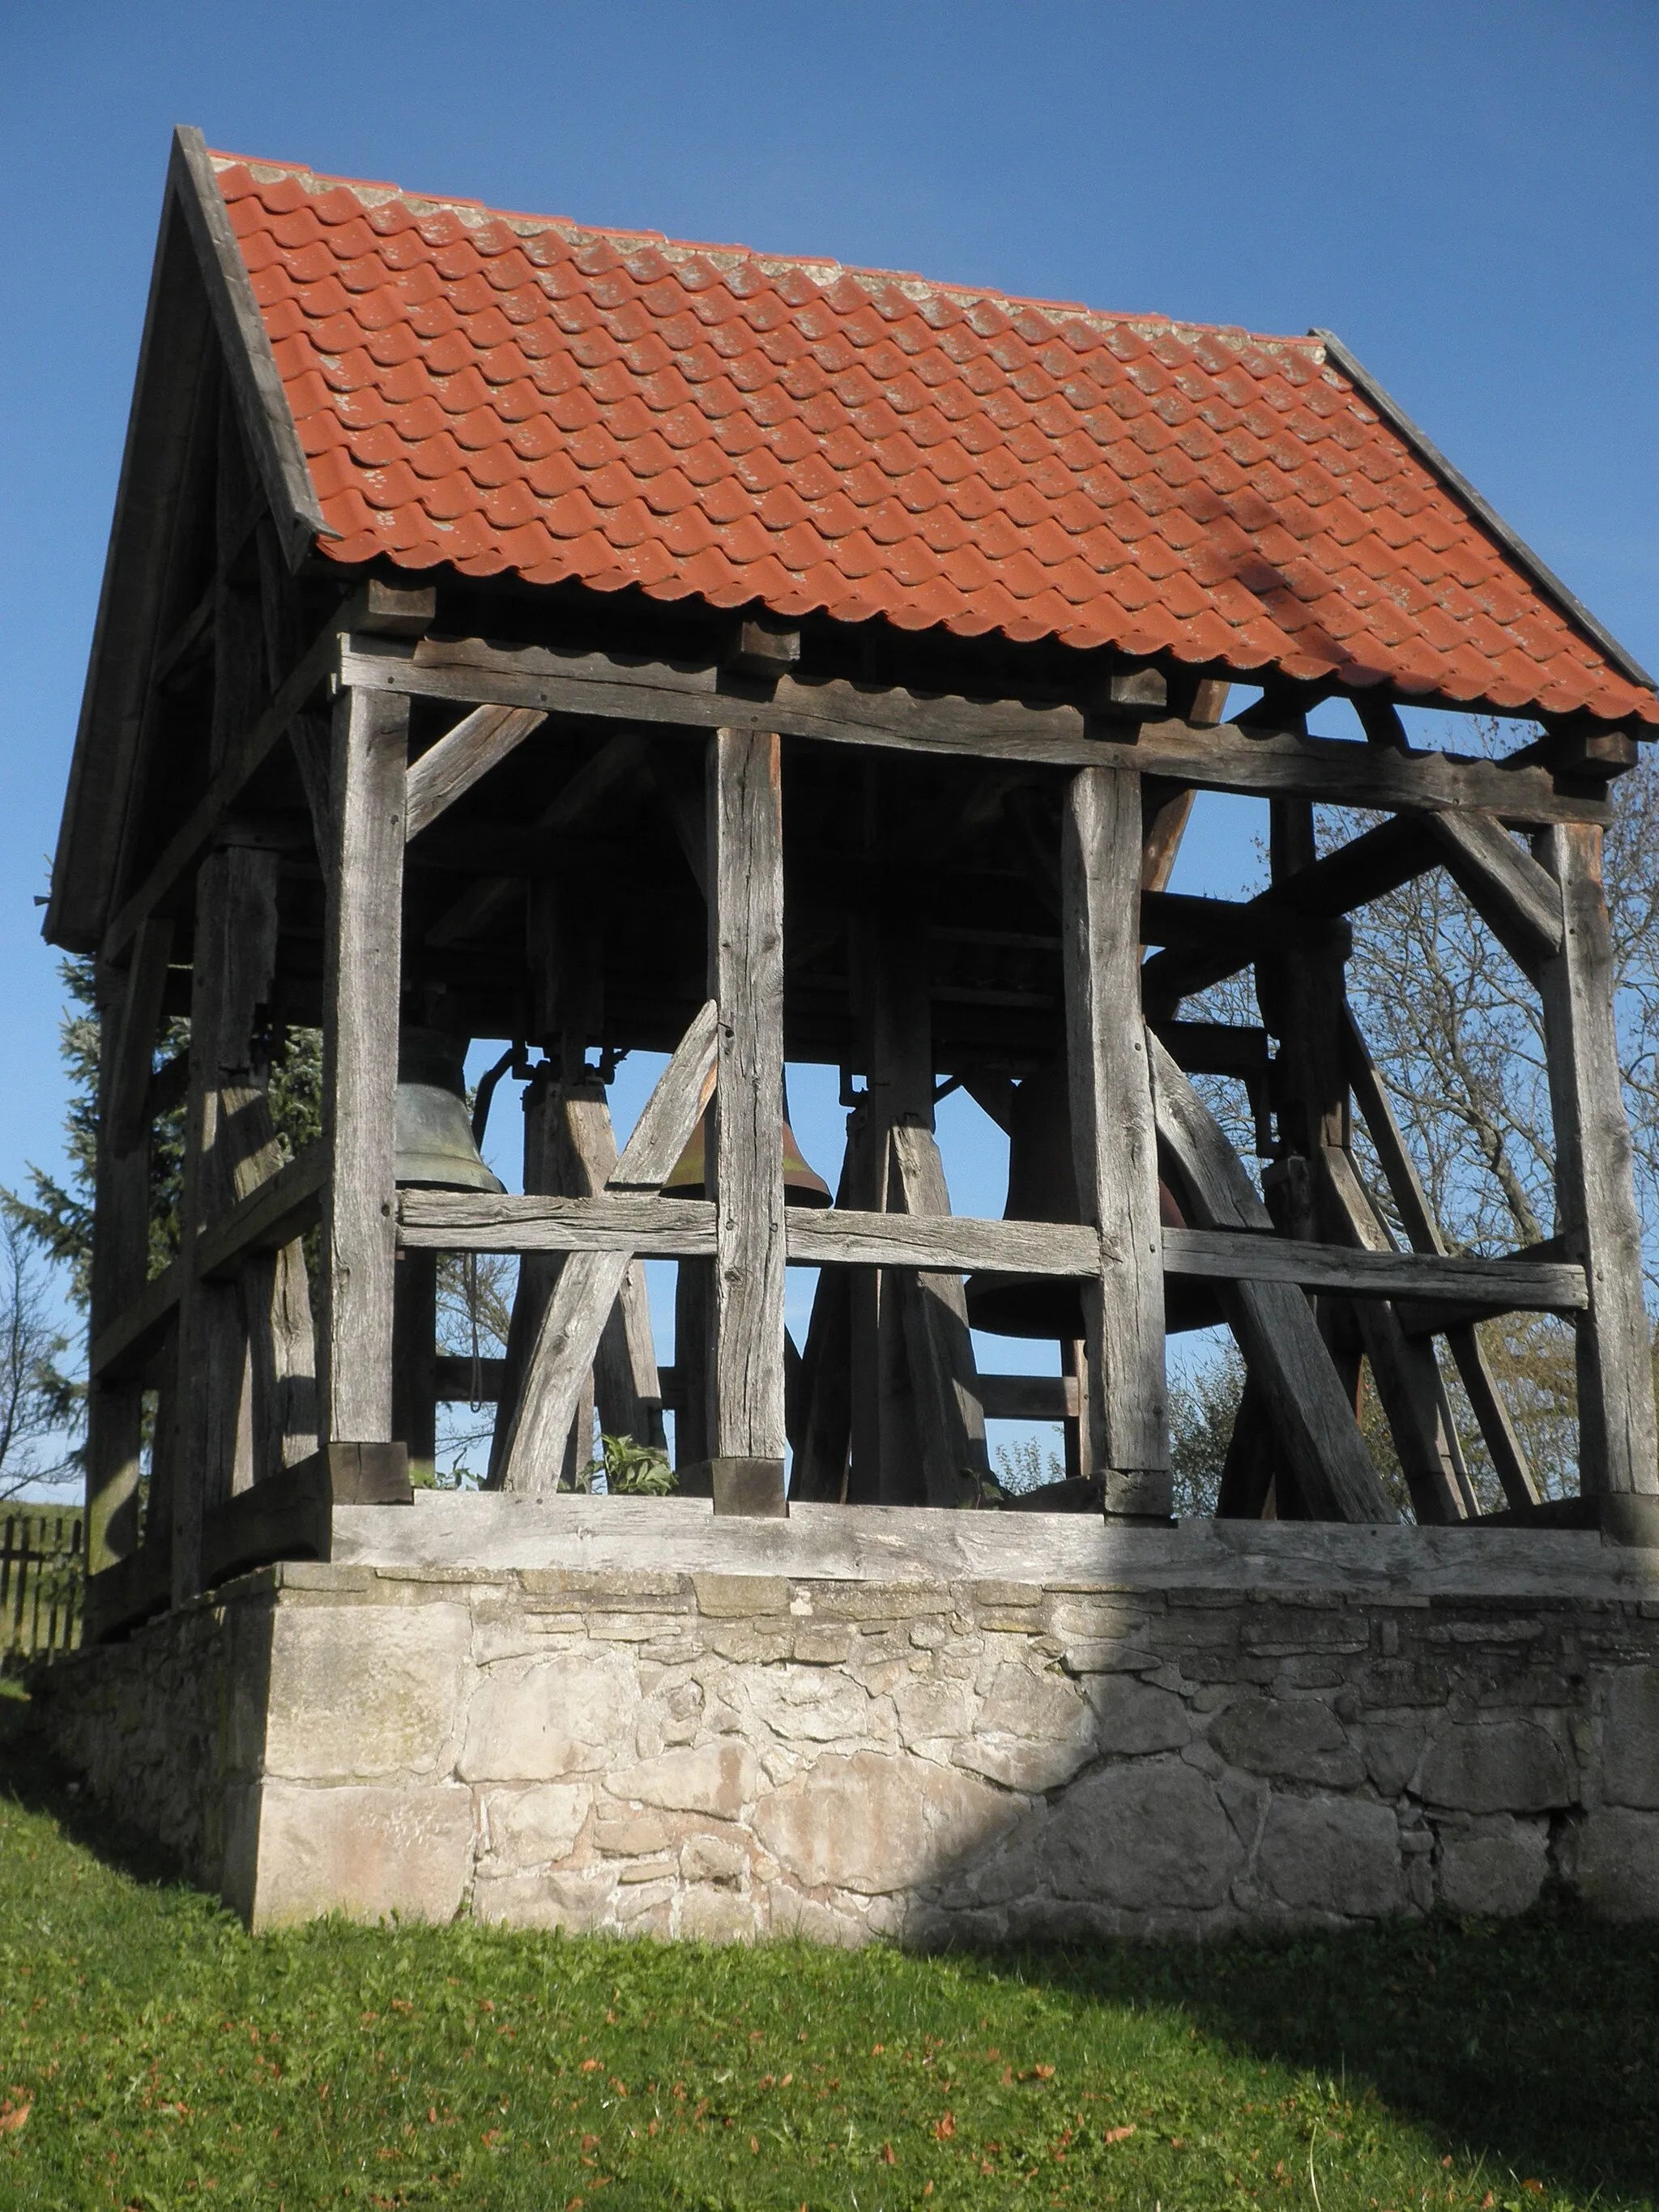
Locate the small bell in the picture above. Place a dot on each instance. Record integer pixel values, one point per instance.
(1043, 1186)
(435, 1151)
(801, 1186)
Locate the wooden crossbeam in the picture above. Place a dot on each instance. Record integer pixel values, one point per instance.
(1519, 901)
(131, 1093)
(1221, 758)
(461, 756)
(1313, 1417)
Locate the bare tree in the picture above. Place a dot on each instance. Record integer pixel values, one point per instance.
(39, 1408)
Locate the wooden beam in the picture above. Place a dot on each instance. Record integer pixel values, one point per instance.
(679, 1097)
(1115, 1143)
(477, 909)
(839, 712)
(949, 1417)
(362, 965)
(1519, 901)
(1318, 1438)
(587, 1329)
(745, 1151)
(195, 835)
(124, 1346)
(1595, 1200)
(128, 1111)
(273, 1213)
(449, 769)
(1505, 1285)
(120, 1254)
(1507, 1456)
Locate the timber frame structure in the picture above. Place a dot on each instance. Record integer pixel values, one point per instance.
(321, 784)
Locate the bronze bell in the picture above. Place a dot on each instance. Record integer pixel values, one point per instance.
(435, 1151)
(1043, 1186)
(801, 1185)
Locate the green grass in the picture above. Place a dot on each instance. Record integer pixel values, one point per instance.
(167, 2058)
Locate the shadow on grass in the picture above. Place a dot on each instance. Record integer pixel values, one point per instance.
(1534, 2042)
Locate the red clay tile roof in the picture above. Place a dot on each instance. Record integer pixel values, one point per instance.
(512, 392)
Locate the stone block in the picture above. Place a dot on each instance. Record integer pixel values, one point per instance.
(1107, 1655)
(1611, 1857)
(789, 1913)
(1629, 1738)
(737, 1597)
(363, 1692)
(1392, 1750)
(630, 1839)
(530, 1827)
(1335, 1855)
(1146, 1835)
(364, 1851)
(534, 1720)
(721, 1859)
(720, 1777)
(1131, 1718)
(930, 1706)
(1496, 1766)
(575, 1901)
(715, 1916)
(1035, 1702)
(822, 1645)
(1494, 1866)
(873, 1823)
(1018, 1763)
(809, 1704)
(1293, 1739)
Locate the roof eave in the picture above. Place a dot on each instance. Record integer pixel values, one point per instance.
(1510, 539)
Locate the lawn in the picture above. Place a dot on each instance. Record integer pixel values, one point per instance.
(154, 2055)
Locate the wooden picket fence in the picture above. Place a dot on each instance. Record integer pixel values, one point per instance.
(41, 1584)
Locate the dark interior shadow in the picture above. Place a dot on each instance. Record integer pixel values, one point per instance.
(1534, 2042)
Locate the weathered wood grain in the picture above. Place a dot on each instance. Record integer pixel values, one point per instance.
(1596, 1197)
(678, 1097)
(1491, 1415)
(746, 981)
(1221, 758)
(1519, 901)
(461, 756)
(1508, 1286)
(362, 955)
(934, 1308)
(1318, 1434)
(1115, 1142)
(557, 1377)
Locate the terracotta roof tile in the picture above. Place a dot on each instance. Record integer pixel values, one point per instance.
(512, 392)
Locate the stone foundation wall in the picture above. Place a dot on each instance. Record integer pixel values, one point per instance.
(1130, 1733)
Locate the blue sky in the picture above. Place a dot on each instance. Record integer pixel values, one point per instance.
(1466, 193)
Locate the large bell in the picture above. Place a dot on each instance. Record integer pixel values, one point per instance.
(801, 1186)
(435, 1151)
(1043, 1186)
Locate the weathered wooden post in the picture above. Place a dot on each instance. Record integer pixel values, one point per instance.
(360, 991)
(746, 981)
(1115, 1140)
(1596, 1197)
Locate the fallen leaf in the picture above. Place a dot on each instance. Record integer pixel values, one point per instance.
(1537, 2185)
(887, 2158)
(1043, 2073)
(946, 2126)
(590, 2066)
(1122, 2135)
(13, 2117)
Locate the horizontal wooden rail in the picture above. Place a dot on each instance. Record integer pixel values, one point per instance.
(471, 673)
(680, 1229)
(1004, 1397)
(1502, 1285)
